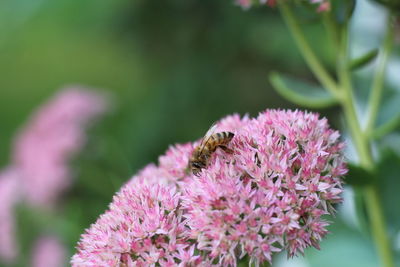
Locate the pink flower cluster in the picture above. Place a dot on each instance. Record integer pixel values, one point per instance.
(144, 226)
(324, 5)
(39, 170)
(268, 195)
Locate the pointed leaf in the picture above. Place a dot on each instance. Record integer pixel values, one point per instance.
(363, 60)
(354, 248)
(388, 186)
(343, 9)
(391, 4)
(358, 176)
(300, 92)
(389, 115)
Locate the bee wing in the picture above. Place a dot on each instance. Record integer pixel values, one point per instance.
(207, 136)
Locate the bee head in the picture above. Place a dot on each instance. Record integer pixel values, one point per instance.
(195, 167)
(197, 161)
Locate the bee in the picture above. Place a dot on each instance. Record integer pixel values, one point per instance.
(210, 142)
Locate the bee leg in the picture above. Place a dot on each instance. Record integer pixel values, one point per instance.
(187, 170)
(226, 149)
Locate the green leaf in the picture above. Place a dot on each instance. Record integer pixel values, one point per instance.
(343, 9)
(363, 60)
(358, 176)
(391, 4)
(355, 249)
(389, 115)
(300, 92)
(389, 186)
(344, 246)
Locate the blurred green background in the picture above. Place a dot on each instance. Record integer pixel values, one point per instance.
(173, 67)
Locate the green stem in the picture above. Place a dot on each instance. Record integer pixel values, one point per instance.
(378, 83)
(348, 101)
(362, 144)
(371, 196)
(357, 136)
(309, 56)
(343, 91)
(332, 29)
(373, 203)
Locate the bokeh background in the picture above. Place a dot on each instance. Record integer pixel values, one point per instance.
(171, 68)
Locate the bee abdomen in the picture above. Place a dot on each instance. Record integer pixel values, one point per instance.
(225, 137)
(229, 135)
(222, 138)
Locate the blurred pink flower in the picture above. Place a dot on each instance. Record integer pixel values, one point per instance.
(269, 195)
(244, 3)
(39, 171)
(324, 5)
(9, 196)
(49, 252)
(45, 145)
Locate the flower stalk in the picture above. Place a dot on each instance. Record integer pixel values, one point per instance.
(309, 56)
(378, 83)
(362, 144)
(343, 91)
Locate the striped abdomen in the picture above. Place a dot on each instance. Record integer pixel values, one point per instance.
(219, 140)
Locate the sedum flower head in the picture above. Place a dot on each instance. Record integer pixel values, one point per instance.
(271, 192)
(266, 196)
(143, 227)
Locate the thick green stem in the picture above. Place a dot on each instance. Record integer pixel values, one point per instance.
(371, 196)
(362, 144)
(378, 83)
(343, 91)
(379, 231)
(309, 56)
(347, 102)
(332, 29)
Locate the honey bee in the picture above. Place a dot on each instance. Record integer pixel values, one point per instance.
(210, 142)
